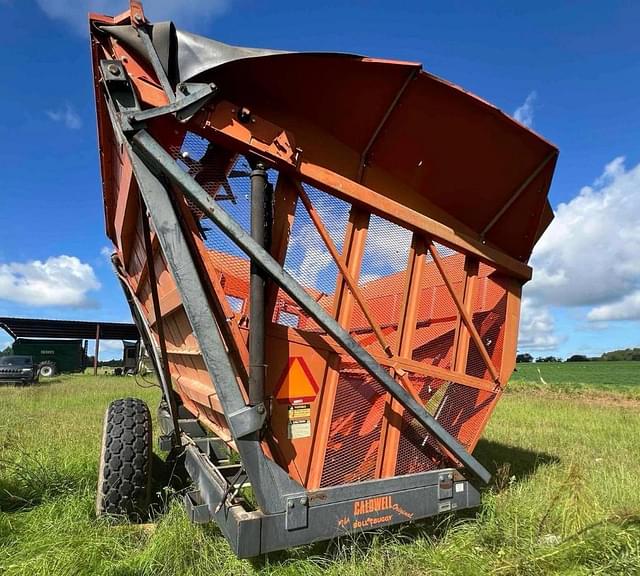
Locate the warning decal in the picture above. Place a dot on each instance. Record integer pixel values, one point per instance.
(296, 383)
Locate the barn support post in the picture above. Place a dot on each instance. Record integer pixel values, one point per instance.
(97, 351)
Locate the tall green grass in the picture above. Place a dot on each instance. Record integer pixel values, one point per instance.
(564, 499)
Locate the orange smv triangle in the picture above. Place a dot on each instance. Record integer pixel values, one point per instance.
(296, 383)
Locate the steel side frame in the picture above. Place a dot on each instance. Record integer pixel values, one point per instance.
(321, 514)
(318, 514)
(150, 163)
(155, 163)
(288, 515)
(271, 482)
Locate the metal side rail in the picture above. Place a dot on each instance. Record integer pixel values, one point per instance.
(312, 515)
(320, 514)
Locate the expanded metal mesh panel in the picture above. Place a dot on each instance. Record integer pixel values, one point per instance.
(354, 435)
(226, 177)
(460, 409)
(211, 166)
(416, 451)
(309, 261)
(354, 452)
(437, 315)
(489, 314)
(463, 411)
(382, 282)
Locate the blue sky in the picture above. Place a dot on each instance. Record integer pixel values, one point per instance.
(571, 70)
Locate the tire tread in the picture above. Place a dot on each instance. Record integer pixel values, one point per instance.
(124, 485)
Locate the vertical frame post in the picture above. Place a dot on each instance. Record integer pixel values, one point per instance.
(257, 289)
(390, 436)
(355, 237)
(461, 342)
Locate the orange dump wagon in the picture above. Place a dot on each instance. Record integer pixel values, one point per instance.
(325, 255)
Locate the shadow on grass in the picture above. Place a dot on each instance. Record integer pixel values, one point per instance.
(22, 488)
(511, 461)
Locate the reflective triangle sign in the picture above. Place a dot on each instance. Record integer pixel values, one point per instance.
(296, 383)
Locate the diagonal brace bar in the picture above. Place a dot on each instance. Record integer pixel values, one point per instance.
(143, 32)
(159, 161)
(353, 286)
(477, 340)
(517, 193)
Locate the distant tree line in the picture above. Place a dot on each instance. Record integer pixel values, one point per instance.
(524, 358)
(628, 354)
(615, 355)
(110, 363)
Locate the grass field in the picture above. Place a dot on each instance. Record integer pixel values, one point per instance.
(565, 497)
(618, 377)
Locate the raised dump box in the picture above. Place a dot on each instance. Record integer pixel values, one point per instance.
(325, 254)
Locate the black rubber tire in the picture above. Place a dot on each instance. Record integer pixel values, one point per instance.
(124, 477)
(49, 367)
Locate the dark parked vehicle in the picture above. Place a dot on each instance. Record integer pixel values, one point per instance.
(53, 356)
(18, 369)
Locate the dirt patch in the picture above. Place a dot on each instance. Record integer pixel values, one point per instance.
(587, 397)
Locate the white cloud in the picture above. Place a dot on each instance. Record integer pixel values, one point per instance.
(110, 348)
(59, 281)
(627, 308)
(316, 260)
(67, 116)
(183, 12)
(524, 113)
(590, 255)
(386, 248)
(588, 259)
(106, 252)
(537, 327)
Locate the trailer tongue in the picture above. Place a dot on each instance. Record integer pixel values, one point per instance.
(325, 254)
